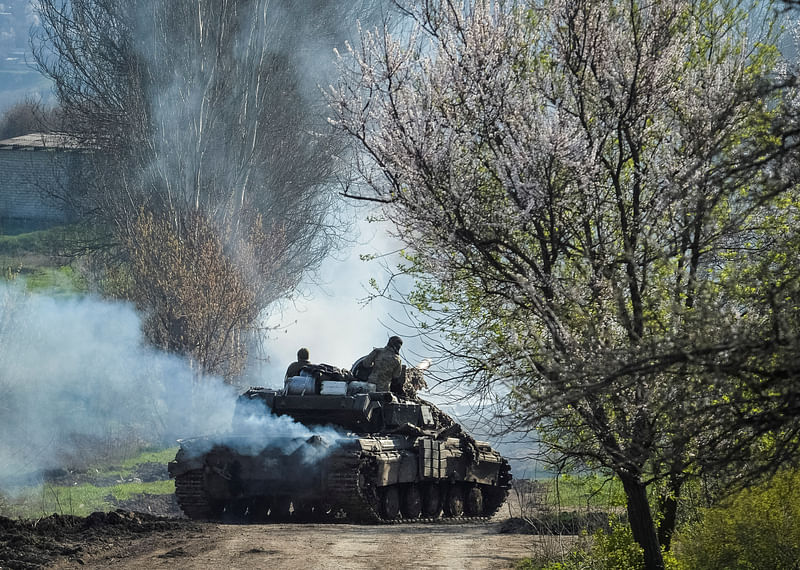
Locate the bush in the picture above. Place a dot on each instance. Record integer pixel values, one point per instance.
(757, 528)
(614, 549)
(560, 522)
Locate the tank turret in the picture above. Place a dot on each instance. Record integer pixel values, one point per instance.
(370, 457)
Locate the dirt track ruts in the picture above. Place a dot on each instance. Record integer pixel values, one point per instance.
(317, 546)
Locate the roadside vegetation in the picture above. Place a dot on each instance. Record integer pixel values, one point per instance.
(757, 528)
(81, 491)
(35, 257)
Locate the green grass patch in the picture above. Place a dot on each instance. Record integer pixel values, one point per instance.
(57, 280)
(588, 491)
(151, 456)
(127, 468)
(14, 243)
(93, 491)
(593, 491)
(33, 257)
(125, 491)
(78, 500)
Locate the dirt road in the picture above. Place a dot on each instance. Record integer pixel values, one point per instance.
(161, 538)
(314, 546)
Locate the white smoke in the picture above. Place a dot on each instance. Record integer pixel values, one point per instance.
(332, 320)
(79, 386)
(77, 380)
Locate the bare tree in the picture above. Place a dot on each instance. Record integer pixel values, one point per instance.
(28, 116)
(196, 284)
(204, 110)
(600, 205)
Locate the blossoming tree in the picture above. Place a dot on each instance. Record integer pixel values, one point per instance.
(599, 204)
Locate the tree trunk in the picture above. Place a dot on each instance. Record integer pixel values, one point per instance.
(641, 521)
(669, 512)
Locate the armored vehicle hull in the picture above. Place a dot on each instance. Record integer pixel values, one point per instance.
(389, 461)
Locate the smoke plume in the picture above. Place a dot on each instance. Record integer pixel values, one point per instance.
(78, 382)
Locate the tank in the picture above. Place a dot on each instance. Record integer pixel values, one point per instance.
(371, 457)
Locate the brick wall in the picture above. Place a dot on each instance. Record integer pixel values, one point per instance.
(29, 181)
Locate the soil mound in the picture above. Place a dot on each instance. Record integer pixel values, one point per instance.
(34, 544)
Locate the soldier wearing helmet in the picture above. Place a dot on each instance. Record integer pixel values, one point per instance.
(384, 364)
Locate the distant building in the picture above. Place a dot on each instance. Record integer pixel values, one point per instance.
(36, 172)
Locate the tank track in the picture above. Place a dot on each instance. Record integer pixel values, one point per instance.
(192, 497)
(349, 489)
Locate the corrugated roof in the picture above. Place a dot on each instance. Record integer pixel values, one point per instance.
(41, 141)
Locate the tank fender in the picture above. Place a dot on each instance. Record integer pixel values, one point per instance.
(396, 468)
(386, 443)
(177, 468)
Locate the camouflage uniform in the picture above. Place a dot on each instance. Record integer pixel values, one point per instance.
(384, 365)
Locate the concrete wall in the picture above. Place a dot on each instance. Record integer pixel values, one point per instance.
(26, 178)
(32, 178)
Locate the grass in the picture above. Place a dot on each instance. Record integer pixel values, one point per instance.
(586, 491)
(32, 257)
(151, 456)
(589, 492)
(79, 500)
(85, 498)
(127, 468)
(62, 279)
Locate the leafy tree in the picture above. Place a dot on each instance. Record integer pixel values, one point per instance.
(201, 110)
(599, 205)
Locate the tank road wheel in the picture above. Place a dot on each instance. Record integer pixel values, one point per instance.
(454, 505)
(412, 502)
(390, 502)
(474, 501)
(236, 511)
(258, 510)
(279, 509)
(304, 511)
(431, 501)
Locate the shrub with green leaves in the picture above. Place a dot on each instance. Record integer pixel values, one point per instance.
(611, 550)
(757, 528)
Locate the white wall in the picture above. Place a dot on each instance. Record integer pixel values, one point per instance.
(26, 177)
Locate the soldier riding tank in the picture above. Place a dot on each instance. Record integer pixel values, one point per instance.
(380, 459)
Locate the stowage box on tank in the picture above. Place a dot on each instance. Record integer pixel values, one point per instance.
(388, 461)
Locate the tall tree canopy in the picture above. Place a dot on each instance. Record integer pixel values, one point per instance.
(212, 155)
(599, 201)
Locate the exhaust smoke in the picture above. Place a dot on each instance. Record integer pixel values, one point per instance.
(79, 385)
